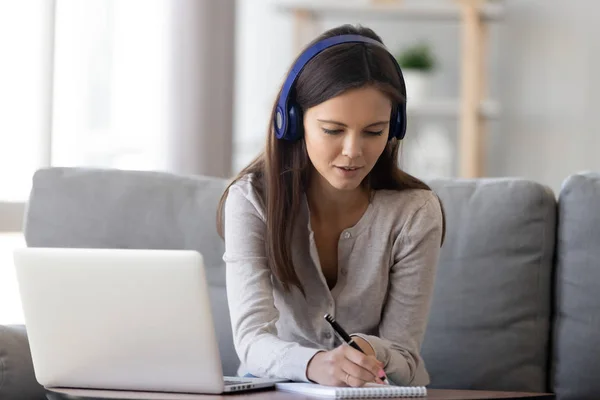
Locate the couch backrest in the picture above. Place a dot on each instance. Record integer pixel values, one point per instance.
(575, 372)
(134, 210)
(490, 317)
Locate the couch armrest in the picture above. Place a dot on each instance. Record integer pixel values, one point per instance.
(17, 379)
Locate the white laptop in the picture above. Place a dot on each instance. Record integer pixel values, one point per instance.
(122, 320)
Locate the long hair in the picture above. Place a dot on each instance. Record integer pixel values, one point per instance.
(282, 170)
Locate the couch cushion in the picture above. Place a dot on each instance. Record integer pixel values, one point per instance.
(82, 207)
(490, 315)
(17, 380)
(576, 334)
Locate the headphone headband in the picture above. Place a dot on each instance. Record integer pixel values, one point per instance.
(286, 116)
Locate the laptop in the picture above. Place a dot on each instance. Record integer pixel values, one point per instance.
(122, 320)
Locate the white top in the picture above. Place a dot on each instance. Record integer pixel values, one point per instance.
(386, 270)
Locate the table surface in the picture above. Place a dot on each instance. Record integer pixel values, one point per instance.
(438, 394)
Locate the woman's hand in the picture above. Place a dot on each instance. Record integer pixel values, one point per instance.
(364, 345)
(344, 366)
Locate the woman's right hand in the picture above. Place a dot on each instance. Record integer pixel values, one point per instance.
(344, 366)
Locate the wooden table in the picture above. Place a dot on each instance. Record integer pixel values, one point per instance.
(446, 394)
(437, 394)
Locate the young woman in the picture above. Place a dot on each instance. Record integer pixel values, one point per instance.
(323, 221)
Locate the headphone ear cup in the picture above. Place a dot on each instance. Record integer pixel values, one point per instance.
(294, 129)
(393, 126)
(397, 128)
(398, 123)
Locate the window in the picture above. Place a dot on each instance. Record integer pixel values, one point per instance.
(108, 106)
(25, 79)
(24, 99)
(100, 83)
(72, 95)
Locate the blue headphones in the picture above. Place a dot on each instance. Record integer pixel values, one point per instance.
(288, 118)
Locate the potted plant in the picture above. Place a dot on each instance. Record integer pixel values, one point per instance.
(418, 63)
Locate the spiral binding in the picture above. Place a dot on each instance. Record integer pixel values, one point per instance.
(381, 392)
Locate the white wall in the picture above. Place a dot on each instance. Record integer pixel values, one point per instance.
(542, 62)
(549, 89)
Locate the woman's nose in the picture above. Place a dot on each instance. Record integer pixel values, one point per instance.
(352, 146)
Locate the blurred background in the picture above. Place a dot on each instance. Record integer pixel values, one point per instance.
(495, 88)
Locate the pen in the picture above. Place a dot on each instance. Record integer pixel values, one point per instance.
(345, 337)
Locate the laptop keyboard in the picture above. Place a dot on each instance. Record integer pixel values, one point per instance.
(230, 381)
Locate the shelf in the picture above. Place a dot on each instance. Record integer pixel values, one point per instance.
(423, 9)
(450, 108)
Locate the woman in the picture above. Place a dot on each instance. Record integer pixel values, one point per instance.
(323, 221)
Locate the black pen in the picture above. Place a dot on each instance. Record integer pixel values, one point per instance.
(345, 337)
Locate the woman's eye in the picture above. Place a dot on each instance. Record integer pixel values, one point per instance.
(374, 133)
(332, 131)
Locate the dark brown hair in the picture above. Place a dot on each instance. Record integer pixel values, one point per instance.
(282, 170)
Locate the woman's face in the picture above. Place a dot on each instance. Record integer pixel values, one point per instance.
(345, 136)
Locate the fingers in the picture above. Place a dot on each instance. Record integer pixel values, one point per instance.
(347, 379)
(356, 376)
(367, 363)
(358, 369)
(344, 366)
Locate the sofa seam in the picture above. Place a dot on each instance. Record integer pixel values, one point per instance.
(543, 257)
(554, 293)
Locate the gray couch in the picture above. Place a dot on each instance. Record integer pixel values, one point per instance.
(517, 298)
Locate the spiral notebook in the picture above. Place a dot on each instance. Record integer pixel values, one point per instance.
(368, 391)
